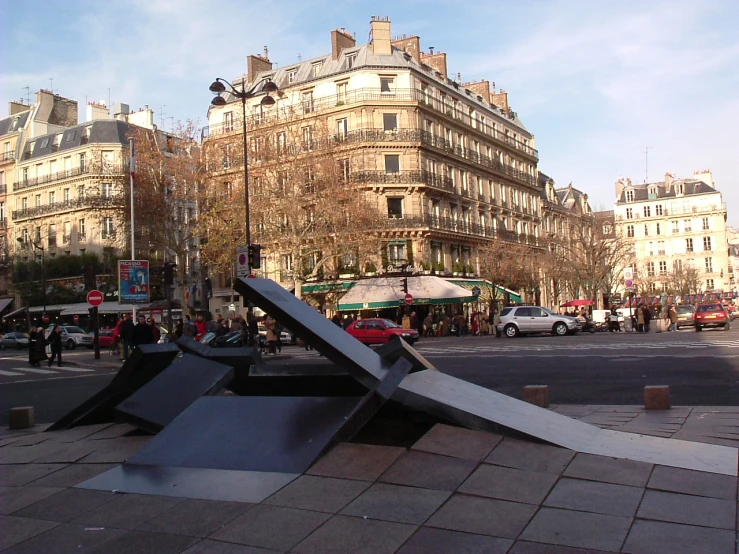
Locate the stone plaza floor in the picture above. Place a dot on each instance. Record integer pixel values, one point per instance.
(454, 491)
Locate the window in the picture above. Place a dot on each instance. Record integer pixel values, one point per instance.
(663, 268)
(345, 169)
(24, 203)
(392, 163)
(390, 121)
(706, 227)
(258, 113)
(709, 265)
(309, 178)
(316, 69)
(675, 226)
(650, 269)
(646, 230)
(291, 75)
(81, 192)
(629, 195)
(396, 252)
(52, 197)
(83, 163)
(67, 232)
(688, 245)
(351, 60)
(342, 128)
(629, 213)
(661, 248)
(386, 85)
(107, 190)
(658, 229)
(307, 134)
(281, 142)
(66, 195)
(630, 231)
(658, 209)
(24, 175)
(395, 208)
(706, 243)
(687, 225)
(37, 201)
(308, 101)
(341, 93)
(709, 284)
(228, 121)
(650, 248)
(82, 229)
(108, 228)
(71, 135)
(45, 142)
(647, 211)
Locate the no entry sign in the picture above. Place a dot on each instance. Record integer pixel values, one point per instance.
(409, 299)
(94, 298)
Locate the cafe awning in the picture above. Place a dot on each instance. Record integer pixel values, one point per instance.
(387, 292)
(4, 303)
(486, 290)
(104, 308)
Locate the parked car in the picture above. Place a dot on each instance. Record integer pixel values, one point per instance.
(72, 336)
(14, 340)
(711, 315)
(522, 320)
(685, 315)
(379, 331)
(105, 337)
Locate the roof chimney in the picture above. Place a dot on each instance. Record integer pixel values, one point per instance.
(97, 110)
(381, 38)
(255, 64)
(340, 40)
(411, 45)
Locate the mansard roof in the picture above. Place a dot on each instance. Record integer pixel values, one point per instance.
(14, 123)
(665, 190)
(103, 131)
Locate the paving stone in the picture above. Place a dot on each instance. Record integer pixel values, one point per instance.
(271, 527)
(13, 499)
(78, 433)
(692, 510)
(127, 511)
(115, 451)
(67, 505)
(578, 529)
(363, 462)
(142, 542)
(442, 541)
(22, 474)
(208, 546)
(524, 547)
(343, 534)
(67, 537)
(28, 440)
(659, 537)
(66, 453)
(609, 470)
(27, 454)
(196, 518)
(458, 442)
(509, 484)
(698, 483)
(530, 456)
(591, 496)
(15, 530)
(395, 503)
(483, 516)
(321, 494)
(72, 475)
(113, 432)
(430, 471)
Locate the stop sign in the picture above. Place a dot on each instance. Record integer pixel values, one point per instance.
(94, 298)
(76, 318)
(409, 299)
(45, 319)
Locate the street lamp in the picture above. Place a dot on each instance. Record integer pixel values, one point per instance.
(37, 246)
(218, 87)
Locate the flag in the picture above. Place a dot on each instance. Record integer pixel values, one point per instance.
(132, 159)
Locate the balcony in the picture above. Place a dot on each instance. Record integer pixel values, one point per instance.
(7, 156)
(89, 201)
(283, 113)
(403, 178)
(117, 169)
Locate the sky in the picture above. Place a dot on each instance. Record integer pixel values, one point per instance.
(600, 84)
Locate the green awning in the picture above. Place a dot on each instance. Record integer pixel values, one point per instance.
(388, 292)
(327, 287)
(486, 289)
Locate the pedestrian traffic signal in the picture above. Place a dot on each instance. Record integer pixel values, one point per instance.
(255, 256)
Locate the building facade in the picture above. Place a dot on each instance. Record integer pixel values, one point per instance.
(448, 164)
(678, 231)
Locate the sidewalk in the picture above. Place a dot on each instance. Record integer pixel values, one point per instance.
(454, 490)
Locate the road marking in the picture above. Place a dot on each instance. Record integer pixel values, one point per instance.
(76, 369)
(85, 376)
(39, 371)
(9, 373)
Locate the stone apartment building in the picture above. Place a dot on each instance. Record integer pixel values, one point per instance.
(677, 228)
(450, 164)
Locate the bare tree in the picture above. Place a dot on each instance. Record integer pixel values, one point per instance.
(498, 263)
(683, 280)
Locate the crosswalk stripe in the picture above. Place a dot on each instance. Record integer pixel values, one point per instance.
(9, 373)
(76, 369)
(39, 371)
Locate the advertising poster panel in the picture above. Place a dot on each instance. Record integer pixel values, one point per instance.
(133, 281)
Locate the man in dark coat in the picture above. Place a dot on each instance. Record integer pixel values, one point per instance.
(126, 331)
(142, 333)
(55, 341)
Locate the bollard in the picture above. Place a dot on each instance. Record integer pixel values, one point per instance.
(21, 418)
(538, 395)
(657, 397)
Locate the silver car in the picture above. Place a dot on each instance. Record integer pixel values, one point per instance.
(522, 320)
(14, 340)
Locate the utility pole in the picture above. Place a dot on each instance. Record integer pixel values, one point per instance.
(132, 171)
(646, 164)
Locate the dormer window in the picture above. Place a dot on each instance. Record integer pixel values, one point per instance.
(351, 59)
(629, 195)
(291, 75)
(316, 69)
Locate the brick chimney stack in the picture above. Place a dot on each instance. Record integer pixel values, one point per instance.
(381, 43)
(480, 88)
(340, 40)
(436, 61)
(500, 99)
(412, 45)
(255, 64)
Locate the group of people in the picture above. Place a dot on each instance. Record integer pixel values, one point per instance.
(643, 315)
(127, 335)
(37, 347)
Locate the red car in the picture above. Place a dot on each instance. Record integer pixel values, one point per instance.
(379, 331)
(711, 315)
(106, 338)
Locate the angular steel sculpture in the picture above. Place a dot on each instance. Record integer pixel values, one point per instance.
(145, 362)
(161, 400)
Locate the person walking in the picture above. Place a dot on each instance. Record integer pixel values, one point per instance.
(672, 314)
(55, 341)
(32, 342)
(157, 334)
(188, 327)
(200, 327)
(269, 324)
(640, 319)
(647, 318)
(142, 333)
(126, 332)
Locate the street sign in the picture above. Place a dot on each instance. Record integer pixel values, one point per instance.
(628, 273)
(94, 298)
(242, 261)
(409, 299)
(629, 283)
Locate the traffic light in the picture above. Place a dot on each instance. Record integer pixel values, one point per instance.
(255, 256)
(405, 284)
(169, 273)
(90, 277)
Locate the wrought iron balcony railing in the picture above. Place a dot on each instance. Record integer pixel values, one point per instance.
(7, 156)
(115, 169)
(89, 201)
